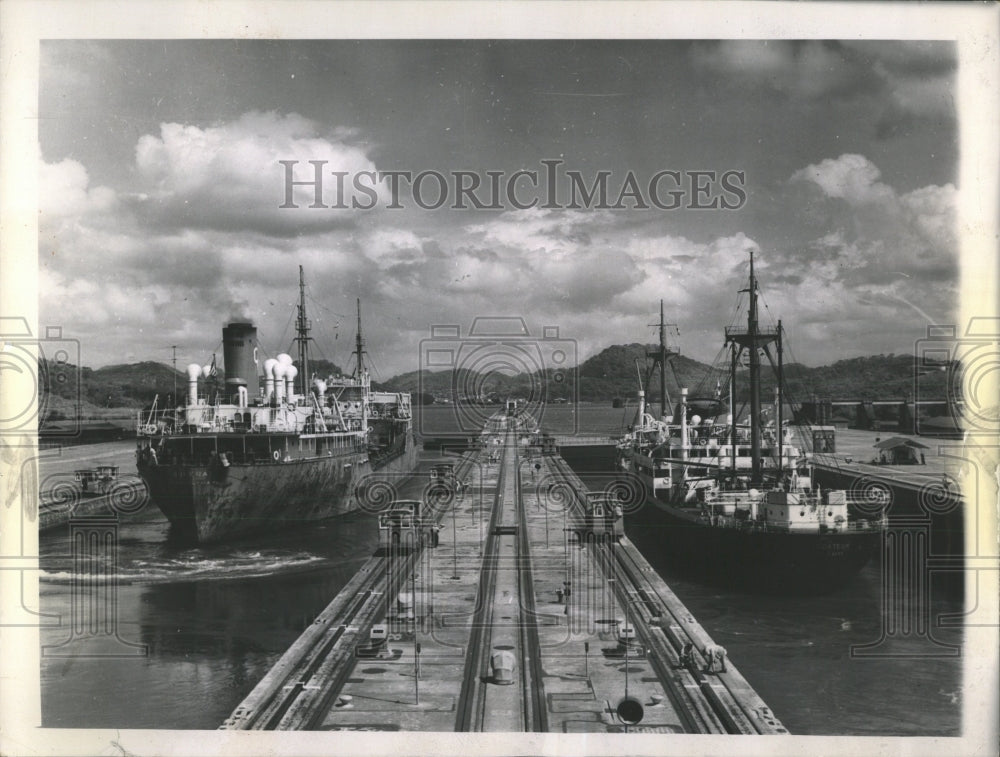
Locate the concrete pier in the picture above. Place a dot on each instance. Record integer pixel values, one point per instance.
(522, 618)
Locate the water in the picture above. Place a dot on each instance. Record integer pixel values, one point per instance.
(216, 618)
(796, 653)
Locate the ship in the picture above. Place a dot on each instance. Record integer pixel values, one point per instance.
(264, 452)
(735, 500)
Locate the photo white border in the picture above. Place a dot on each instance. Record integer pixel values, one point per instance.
(24, 22)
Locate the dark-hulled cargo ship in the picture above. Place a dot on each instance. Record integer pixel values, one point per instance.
(265, 453)
(738, 501)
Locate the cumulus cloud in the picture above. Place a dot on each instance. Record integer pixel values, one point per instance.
(925, 215)
(65, 192)
(558, 259)
(542, 229)
(852, 178)
(199, 237)
(228, 176)
(201, 240)
(887, 247)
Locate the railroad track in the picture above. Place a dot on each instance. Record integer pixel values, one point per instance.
(534, 706)
(709, 702)
(301, 687)
(295, 694)
(472, 713)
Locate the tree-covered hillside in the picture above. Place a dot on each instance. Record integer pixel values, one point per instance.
(610, 374)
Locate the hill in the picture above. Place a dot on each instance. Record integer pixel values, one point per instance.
(134, 385)
(605, 376)
(612, 374)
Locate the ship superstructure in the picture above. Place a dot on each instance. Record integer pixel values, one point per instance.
(738, 496)
(264, 451)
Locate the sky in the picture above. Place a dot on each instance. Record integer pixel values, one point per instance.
(161, 192)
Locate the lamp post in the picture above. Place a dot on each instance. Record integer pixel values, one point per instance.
(538, 498)
(454, 548)
(416, 638)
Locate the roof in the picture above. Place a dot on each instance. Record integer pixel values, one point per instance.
(900, 441)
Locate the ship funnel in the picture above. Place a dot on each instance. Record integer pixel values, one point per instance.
(684, 425)
(642, 407)
(290, 373)
(269, 378)
(278, 372)
(193, 371)
(239, 345)
(320, 386)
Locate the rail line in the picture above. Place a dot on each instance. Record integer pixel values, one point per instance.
(534, 707)
(503, 635)
(709, 702)
(298, 691)
(472, 714)
(472, 699)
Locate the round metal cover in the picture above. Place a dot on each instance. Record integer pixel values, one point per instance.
(630, 711)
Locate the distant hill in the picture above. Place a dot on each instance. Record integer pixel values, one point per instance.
(134, 385)
(612, 374)
(603, 377)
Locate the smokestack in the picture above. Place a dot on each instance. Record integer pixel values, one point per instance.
(278, 372)
(290, 373)
(684, 426)
(193, 371)
(319, 385)
(269, 378)
(239, 347)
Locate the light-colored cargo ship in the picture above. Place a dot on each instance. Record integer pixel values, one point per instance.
(265, 452)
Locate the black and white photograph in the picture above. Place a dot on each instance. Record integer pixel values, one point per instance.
(514, 378)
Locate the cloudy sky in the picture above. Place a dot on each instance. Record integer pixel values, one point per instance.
(161, 191)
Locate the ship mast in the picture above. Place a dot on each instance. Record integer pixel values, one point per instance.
(753, 339)
(754, 376)
(734, 358)
(302, 334)
(659, 357)
(359, 347)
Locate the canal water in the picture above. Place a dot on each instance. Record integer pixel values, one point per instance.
(214, 619)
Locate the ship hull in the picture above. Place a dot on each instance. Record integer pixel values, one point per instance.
(769, 562)
(215, 503)
(766, 561)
